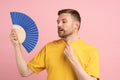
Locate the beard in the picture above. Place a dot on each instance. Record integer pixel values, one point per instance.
(64, 34)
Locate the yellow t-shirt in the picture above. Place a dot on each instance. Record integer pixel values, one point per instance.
(58, 67)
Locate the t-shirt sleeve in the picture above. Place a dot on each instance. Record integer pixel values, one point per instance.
(37, 64)
(93, 64)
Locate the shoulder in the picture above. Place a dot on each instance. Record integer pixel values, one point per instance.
(87, 46)
(54, 43)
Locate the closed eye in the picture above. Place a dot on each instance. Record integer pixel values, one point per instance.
(64, 21)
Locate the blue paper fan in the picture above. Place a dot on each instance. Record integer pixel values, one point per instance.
(29, 27)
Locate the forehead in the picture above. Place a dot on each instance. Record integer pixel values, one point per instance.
(64, 16)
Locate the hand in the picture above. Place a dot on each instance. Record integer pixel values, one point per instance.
(69, 52)
(14, 37)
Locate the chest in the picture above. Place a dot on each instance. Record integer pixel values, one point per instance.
(57, 59)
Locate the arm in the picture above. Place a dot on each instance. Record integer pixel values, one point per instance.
(21, 64)
(80, 72)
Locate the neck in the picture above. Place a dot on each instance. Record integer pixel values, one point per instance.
(71, 38)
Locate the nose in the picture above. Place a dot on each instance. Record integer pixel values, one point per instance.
(59, 24)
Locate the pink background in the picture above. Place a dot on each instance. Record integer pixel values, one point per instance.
(100, 27)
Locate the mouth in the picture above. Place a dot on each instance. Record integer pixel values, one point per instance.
(60, 30)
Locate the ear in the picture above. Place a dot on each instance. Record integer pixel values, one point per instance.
(77, 24)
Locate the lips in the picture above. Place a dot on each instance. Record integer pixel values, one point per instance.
(60, 30)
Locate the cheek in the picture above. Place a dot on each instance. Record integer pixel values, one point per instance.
(67, 26)
(69, 30)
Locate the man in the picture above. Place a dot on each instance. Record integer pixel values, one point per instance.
(69, 58)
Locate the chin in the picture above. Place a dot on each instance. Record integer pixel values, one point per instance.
(62, 36)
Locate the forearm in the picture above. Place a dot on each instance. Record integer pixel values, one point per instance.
(21, 63)
(80, 72)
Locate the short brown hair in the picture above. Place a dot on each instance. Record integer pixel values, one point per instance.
(73, 12)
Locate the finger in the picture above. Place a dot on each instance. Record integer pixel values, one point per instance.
(67, 42)
(68, 45)
(13, 36)
(66, 52)
(14, 33)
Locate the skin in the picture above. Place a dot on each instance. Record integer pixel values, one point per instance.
(21, 63)
(68, 30)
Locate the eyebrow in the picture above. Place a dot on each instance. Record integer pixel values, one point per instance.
(62, 19)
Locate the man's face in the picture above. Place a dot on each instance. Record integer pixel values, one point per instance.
(65, 25)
